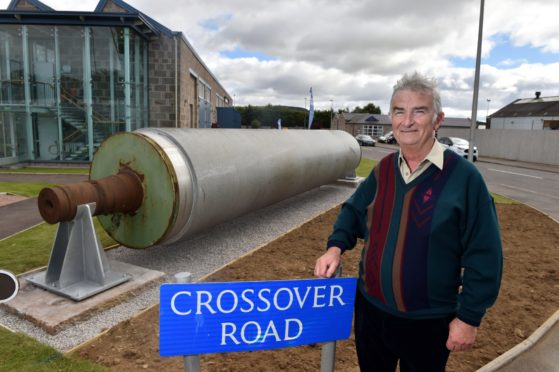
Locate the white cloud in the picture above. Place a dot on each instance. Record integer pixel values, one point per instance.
(353, 51)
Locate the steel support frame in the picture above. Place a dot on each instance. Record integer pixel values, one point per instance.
(78, 267)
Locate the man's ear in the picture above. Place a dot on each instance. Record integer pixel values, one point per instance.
(439, 120)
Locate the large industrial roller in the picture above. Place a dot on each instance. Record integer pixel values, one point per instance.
(159, 185)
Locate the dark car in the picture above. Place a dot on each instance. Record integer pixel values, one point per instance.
(388, 138)
(365, 140)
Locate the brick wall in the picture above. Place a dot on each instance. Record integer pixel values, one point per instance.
(188, 89)
(162, 82)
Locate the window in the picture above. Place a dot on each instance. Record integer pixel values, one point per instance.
(219, 101)
(372, 130)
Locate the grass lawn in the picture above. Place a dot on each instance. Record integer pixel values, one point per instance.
(19, 352)
(364, 167)
(23, 188)
(31, 248)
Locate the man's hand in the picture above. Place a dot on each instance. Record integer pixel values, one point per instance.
(327, 264)
(461, 336)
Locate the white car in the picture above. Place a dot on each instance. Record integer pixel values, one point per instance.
(459, 146)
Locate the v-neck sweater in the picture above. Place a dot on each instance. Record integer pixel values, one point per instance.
(432, 247)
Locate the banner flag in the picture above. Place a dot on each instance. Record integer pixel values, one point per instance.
(279, 123)
(311, 110)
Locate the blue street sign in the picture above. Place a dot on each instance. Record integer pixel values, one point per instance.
(241, 316)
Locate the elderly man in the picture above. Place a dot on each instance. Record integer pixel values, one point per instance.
(432, 259)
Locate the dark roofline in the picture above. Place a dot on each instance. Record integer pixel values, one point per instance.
(39, 5)
(527, 109)
(71, 18)
(130, 9)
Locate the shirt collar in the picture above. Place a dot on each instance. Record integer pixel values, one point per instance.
(435, 156)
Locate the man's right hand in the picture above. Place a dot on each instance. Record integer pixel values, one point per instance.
(327, 264)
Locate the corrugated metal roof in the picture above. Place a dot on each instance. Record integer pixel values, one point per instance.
(529, 107)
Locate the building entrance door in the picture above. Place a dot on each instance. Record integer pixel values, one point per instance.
(45, 136)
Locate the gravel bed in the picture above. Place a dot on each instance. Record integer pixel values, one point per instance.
(200, 255)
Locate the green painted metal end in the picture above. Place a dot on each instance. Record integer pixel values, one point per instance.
(155, 218)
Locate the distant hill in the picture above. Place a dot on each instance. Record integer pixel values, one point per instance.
(290, 116)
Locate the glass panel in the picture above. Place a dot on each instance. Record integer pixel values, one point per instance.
(7, 135)
(200, 89)
(72, 109)
(137, 76)
(107, 92)
(41, 65)
(21, 133)
(11, 66)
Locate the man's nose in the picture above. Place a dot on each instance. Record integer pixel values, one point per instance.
(408, 118)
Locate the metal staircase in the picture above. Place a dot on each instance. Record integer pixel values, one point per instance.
(73, 116)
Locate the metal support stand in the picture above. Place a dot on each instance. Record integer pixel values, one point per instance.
(351, 175)
(78, 267)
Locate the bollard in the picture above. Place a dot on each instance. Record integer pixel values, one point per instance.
(328, 353)
(191, 362)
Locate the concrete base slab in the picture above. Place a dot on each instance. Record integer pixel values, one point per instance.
(350, 182)
(53, 313)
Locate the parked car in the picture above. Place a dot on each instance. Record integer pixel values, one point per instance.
(365, 140)
(388, 138)
(459, 146)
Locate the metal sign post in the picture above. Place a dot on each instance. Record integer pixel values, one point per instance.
(328, 353)
(191, 362)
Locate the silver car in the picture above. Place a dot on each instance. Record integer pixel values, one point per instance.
(459, 146)
(365, 140)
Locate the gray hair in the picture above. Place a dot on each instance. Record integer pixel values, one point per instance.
(419, 83)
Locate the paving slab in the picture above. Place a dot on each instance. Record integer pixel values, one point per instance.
(53, 313)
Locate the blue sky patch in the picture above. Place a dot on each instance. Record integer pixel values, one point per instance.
(213, 24)
(240, 53)
(505, 55)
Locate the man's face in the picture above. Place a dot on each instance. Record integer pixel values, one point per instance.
(414, 120)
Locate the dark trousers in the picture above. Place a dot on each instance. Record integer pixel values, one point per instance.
(383, 339)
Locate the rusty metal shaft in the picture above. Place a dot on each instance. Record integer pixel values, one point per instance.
(121, 193)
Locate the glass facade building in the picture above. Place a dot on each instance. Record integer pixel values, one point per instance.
(64, 89)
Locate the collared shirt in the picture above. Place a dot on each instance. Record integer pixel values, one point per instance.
(435, 156)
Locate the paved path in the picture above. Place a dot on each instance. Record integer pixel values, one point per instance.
(24, 214)
(18, 216)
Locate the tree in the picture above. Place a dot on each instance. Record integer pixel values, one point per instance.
(369, 108)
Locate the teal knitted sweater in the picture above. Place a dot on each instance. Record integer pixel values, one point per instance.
(432, 246)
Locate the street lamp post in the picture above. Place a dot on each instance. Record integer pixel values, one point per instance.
(487, 112)
(332, 114)
(476, 81)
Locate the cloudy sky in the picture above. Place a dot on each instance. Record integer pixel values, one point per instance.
(352, 51)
